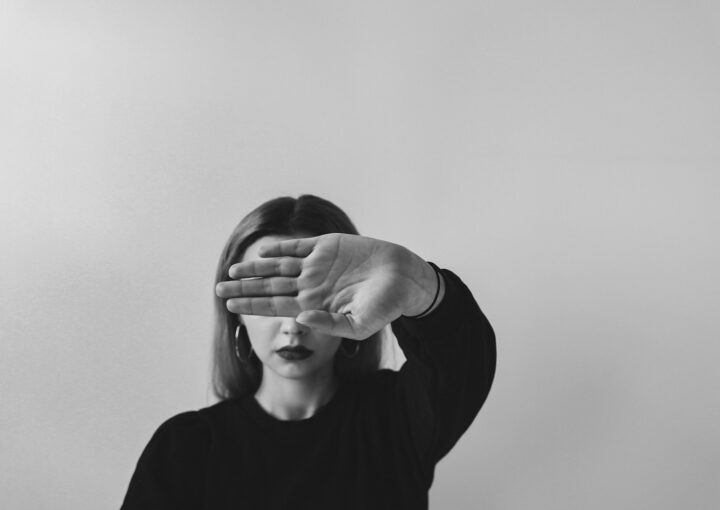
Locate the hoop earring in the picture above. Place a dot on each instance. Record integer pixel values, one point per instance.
(237, 345)
(357, 349)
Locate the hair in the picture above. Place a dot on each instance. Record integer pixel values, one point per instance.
(305, 216)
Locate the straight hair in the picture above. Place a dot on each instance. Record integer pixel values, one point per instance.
(305, 216)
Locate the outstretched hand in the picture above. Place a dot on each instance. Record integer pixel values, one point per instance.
(340, 284)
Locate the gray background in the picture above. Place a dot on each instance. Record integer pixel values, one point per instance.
(561, 157)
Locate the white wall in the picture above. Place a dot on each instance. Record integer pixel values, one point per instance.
(561, 157)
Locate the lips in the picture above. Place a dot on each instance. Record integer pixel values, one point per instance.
(299, 349)
(297, 353)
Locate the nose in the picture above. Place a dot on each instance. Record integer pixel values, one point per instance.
(293, 328)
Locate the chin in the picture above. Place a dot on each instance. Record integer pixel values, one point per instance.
(297, 371)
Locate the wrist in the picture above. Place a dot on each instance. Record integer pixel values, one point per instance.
(428, 291)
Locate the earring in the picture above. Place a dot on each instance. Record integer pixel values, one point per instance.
(237, 344)
(357, 349)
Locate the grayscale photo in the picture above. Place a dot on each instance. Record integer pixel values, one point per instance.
(359, 256)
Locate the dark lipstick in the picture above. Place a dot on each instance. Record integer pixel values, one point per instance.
(297, 352)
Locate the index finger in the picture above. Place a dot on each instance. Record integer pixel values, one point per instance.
(285, 266)
(289, 248)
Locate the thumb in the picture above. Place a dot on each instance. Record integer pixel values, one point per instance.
(335, 324)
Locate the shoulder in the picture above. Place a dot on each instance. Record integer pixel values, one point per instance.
(181, 440)
(196, 422)
(219, 409)
(172, 464)
(188, 426)
(199, 427)
(226, 418)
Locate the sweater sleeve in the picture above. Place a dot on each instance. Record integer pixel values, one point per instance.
(170, 473)
(451, 357)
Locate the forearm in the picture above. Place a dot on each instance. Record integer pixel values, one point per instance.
(451, 359)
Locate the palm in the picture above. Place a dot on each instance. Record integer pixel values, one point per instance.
(342, 284)
(355, 277)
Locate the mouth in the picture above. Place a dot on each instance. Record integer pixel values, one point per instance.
(294, 353)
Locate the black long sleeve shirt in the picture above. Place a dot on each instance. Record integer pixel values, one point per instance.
(374, 445)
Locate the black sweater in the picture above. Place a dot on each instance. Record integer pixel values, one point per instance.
(374, 445)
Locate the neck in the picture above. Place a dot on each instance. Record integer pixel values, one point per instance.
(295, 399)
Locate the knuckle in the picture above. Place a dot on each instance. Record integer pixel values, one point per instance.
(286, 266)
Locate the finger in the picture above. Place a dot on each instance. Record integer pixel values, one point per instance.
(289, 248)
(282, 266)
(336, 324)
(282, 306)
(258, 287)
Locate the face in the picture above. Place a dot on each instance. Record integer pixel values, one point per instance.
(268, 334)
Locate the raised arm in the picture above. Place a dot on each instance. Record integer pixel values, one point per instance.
(450, 367)
(339, 284)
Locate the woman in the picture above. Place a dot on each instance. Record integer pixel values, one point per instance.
(307, 419)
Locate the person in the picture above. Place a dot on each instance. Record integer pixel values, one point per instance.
(306, 417)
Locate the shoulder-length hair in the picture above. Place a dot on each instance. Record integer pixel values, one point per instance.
(306, 216)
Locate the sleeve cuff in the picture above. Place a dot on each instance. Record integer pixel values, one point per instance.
(444, 317)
